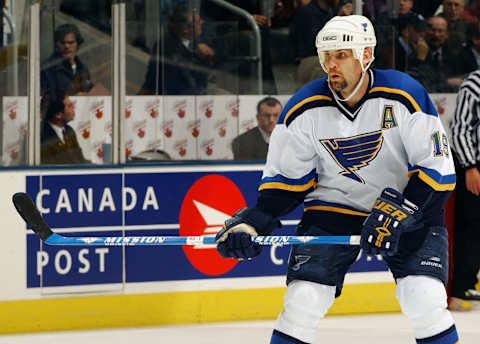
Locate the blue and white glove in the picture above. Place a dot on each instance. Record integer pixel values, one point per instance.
(235, 239)
(392, 214)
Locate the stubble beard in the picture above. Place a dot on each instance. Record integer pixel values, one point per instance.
(339, 86)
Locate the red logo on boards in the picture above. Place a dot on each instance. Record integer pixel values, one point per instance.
(208, 203)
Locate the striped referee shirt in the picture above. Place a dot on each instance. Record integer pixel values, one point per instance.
(466, 122)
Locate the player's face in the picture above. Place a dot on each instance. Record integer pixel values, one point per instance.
(268, 117)
(344, 70)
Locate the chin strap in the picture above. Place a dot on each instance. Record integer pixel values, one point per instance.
(355, 90)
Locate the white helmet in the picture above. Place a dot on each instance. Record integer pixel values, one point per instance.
(346, 32)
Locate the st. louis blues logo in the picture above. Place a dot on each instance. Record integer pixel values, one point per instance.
(353, 153)
(364, 27)
(299, 260)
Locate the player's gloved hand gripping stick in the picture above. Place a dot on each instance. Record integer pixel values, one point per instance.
(29, 212)
(392, 214)
(234, 240)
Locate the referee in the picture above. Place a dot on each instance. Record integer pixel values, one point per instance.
(466, 236)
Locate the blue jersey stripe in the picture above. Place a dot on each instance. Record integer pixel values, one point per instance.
(433, 178)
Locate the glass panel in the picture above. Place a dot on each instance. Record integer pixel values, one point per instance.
(76, 77)
(171, 50)
(182, 83)
(13, 81)
(386, 56)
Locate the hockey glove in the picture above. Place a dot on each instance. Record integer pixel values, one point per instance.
(392, 215)
(235, 239)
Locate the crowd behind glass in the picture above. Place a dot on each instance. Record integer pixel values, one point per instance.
(203, 47)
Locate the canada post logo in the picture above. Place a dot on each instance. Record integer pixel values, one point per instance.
(208, 203)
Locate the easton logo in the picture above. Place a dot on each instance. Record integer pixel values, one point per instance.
(208, 203)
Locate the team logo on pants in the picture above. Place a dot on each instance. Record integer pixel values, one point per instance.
(299, 261)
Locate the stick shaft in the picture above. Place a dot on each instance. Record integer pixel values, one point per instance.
(56, 239)
(29, 212)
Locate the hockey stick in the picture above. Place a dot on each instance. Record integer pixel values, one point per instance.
(29, 212)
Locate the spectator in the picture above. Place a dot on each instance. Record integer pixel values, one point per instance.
(436, 72)
(457, 27)
(391, 19)
(63, 70)
(389, 28)
(472, 12)
(262, 14)
(59, 144)
(285, 10)
(178, 63)
(306, 23)
(470, 54)
(466, 234)
(303, 30)
(404, 7)
(410, 46)
(374, 8)
(344, 8)
(253, 145)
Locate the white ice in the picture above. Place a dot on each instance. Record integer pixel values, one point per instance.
(361, 329)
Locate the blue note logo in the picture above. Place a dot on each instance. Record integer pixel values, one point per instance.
(299, 260)
(353, 153)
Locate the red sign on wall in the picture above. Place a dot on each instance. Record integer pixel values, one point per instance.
(208, 203)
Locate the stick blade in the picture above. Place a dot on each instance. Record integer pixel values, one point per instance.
(30, 214)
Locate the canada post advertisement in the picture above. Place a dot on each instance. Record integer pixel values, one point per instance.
(133, 202)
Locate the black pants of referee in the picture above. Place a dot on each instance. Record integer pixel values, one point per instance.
(466, 237)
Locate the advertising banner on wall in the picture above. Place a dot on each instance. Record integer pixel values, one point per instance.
(183, 127)
(130, 203)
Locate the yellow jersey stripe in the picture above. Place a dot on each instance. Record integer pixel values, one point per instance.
(335, 210)
(431, 182)
(403, 93)
(288, 187)
(303, 102)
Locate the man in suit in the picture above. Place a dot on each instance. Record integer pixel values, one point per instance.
(179, 63)
(253, 144)
(59, 144)
(435, 69)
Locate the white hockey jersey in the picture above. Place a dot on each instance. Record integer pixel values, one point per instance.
(347, 156)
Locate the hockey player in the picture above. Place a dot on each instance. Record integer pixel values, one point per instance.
(366, 153)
